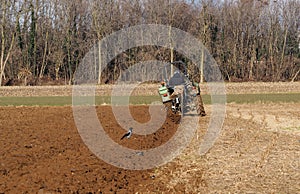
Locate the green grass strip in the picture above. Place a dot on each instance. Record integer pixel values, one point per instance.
(36, 101)
(264, 98)
(136, 100)
(67, 100)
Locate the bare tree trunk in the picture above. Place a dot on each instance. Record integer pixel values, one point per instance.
(171, 41)
(42, 70)
(2, 64)
(270, 67)
(204, 38)
(99, 62)
(252, 62)
(3, 58)
(279, 70)
(295, 76)
(202, 66)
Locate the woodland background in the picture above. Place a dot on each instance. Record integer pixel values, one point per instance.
(42, 42)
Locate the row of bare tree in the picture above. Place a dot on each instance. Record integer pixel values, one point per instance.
(250, 39)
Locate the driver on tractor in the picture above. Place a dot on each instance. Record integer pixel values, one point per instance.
(176, 83)
(176, 87)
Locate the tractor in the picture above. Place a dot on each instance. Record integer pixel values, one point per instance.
(176, 91)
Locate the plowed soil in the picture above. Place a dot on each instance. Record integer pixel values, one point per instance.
(41, 150)
(257, 151)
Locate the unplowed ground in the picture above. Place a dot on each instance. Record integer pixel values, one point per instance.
(257, 151)
(151, 89)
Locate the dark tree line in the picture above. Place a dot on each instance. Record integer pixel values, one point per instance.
(45, 40)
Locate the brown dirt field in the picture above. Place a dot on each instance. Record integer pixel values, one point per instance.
(257, 151)
(41, 150)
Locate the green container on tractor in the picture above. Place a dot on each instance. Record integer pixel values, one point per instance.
(164, 94)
